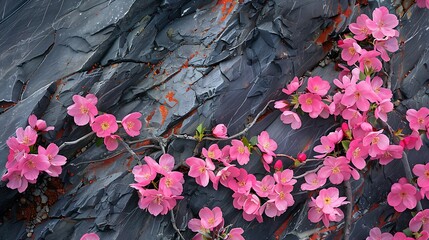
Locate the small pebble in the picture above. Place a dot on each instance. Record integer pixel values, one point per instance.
(29, 234)
(36, 192)
(38, 208)
(44, 216)
(44, 199)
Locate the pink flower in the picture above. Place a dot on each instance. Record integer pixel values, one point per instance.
(32, 164)
(132, 124)
(420, 220)
(289, 117)
(325, 206)
(350, 51)
(359, 28)
(375, 234)
(382, 24)
(282, 197)
(210, 218)
(337, 169)
(55, 160)
(292, 86)
(16, 152)
(252, 204)
(328, 143)
(377, 143)
(266, 144)
(195, 225)
(368, 61)
(16, 180)
(282, 105)
(264, 187)
(423, 3)
(225, 159)
(418, 119)
(382, 46)
(243, 182)
(401, 236)
(225, 175)
(414, 141)
(285, 177)
(90, 236)
(318, 86)
(143, 174)
(422, 172)
(235, 234)
(213, 152)
(392, 152)
(239, 151)
(311, 103)
(384, 107)
(270, 209)
(357, 153)
(172, 183)
(377, 86)
(220, 131)
(200, 170)
(27, 137)
(402, 196)
(156, 202)
(111, 142)
(360, 95)
(104, 125)
(83, 110)
(166, 163)
(313, 182)
(38, 124)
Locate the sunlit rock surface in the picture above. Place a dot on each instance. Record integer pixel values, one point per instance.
(181, 63)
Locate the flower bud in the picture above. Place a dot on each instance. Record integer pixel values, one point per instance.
(301, 157)
(278, 166)
(220, 131)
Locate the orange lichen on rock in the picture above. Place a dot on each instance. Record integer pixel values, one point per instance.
(170, 97)
(164, 113)
(227, 7)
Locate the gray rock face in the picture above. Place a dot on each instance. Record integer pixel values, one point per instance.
(180, 63)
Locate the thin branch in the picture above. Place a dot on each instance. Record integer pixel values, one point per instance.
(349, 210)
(173, 222)
(75, 141)
(287, 156)
(308, 172)
(142, 140)
(130, 151)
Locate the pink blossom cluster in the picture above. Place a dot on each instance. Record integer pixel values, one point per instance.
(105, 126)
(27, 159)
(270, 195)
(210, 225)
(159, 187)
(418, 225)
(325, 207)
(423, 3)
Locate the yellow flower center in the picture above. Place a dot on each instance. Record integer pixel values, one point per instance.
(356, 152)
(240, 150)
(352, 50)
(375, 140)
(211, 154)
(105, 126)
(309, 101)
(336, 170)
(202, 169)
(327, 200)
(83, 109)
(130, 125)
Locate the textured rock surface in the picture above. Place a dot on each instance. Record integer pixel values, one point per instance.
(180, 63)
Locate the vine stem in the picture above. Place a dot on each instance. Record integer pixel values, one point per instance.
(130, 151)
(349, 210)
(308, 172)
(75, 141)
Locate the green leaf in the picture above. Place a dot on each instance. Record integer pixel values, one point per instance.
(345, 144)
(245, 141)
(254, 140)
(200, 128)
(362, 76)
(99, 141)
(408, 232)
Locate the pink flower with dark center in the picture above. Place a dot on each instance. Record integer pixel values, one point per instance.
(382, 24)
(282, 197)
(292, 86)
(235, 234)
(90, 236)
(375, 234)
(264, 187)
(38, 124)
(252, 204)
(83, 110)
(420, 220)
(368, 61)
(350, 52)
(422, 172)
(289, 117)
(200, 170)
(318, 86)
(213, 152)
(402, 196)
(210, 218)
(392, 152)
(384, 107)
(104, 125)
(132, 124)
(311, 103)
(172, 183)
(27, 137)
(239, 152)
(357, 153)
(220, 131)
(359, 29)
(143, 174)
(156, 202)
(418, 119)
(313, 182)
(337, 169)
(55, 160)
(32, 164)
(111, 142)
(243, 182)
(384, 46)
(377, 143)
